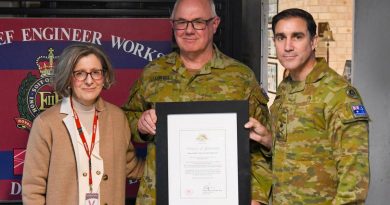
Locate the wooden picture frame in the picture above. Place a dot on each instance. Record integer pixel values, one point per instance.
(322, 27)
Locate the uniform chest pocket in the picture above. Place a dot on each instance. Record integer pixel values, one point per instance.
(307, 115)
(306, 130)
(157, 90)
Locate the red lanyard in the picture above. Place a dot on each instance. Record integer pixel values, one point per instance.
(82, 136)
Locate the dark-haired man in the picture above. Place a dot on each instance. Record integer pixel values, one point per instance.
(319, 124)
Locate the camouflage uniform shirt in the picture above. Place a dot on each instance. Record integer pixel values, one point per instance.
(222, 78)
(320, 153)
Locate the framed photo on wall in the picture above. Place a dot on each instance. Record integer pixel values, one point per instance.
(272, 9)
(322, 27)
(271, 46)
(272, 74)
(347, 70)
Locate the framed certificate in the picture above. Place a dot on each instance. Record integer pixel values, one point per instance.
(272, 74)
(271, 45)
(202, 153)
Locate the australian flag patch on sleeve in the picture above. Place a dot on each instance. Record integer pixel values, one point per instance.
(358, 110)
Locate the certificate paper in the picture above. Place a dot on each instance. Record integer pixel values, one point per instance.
(202, 158)
(201, 165)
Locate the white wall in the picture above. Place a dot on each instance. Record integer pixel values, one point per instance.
(371, 75)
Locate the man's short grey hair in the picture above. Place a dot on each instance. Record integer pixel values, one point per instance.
(70, 56)
(212, 6)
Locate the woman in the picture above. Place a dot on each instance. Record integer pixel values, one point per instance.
(79, 150)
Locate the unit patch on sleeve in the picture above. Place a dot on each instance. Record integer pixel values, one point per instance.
(358, 110)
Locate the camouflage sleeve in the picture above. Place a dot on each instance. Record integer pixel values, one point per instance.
(258, 109)
(260, 155)
(134, 165)
(133, 108)
(350, 128)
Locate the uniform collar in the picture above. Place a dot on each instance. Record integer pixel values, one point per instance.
(318, 72)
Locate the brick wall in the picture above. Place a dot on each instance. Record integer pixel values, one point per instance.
(339, 15)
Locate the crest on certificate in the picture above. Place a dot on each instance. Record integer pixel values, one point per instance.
(202, 138)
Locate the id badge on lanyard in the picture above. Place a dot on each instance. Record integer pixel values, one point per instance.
(91, 199)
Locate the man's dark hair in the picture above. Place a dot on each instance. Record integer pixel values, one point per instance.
(295, 12)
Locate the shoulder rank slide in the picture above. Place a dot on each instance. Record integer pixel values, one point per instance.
(352, 92)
